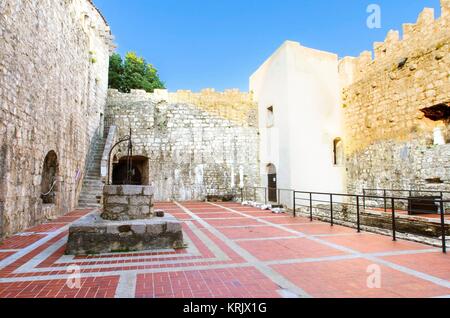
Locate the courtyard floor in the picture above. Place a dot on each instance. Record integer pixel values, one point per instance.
(233, 252)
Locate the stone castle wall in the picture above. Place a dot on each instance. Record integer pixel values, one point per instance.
(53, 84)
(196, 143)
(388, 140)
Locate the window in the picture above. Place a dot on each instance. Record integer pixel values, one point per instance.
(270, 117)
(338, 152)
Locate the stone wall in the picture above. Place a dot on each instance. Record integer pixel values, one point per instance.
(53, 83)
(388, 139)
(196, 143)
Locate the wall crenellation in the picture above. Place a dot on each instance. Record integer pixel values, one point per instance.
(427, 29)
(230, 104)
(389, 142)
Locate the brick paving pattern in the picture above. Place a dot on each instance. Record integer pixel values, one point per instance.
(232, 252)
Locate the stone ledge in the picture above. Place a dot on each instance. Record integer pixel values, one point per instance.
(94, 235)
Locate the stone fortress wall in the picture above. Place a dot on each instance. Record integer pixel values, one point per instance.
(196, 143)
(53, 82)
(389, 142)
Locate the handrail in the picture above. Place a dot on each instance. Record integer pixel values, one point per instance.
(50, 191)
(110, 140)
(405, 190)
(440, 201)
(441, 192)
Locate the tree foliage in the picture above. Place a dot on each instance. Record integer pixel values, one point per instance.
(133, 73)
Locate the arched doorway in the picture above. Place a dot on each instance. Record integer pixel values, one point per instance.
(139, 171)
(272, 182)
(49, 175)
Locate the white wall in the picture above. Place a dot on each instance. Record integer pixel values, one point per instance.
(303, 86)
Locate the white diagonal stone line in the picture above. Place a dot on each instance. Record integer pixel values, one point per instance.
(403, 269)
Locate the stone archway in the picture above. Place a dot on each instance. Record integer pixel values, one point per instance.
(139, 171)
(50, 172)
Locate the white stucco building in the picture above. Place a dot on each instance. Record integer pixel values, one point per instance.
(298, 94)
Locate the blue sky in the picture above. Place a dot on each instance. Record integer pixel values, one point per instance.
(199, 44)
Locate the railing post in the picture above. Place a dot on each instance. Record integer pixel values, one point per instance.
(358, 219)
(331, 209)
(266, 190)
(385, 200)
(394, 234)
(279, 197)
(242, 195)
(310, 207)
(444, 242)
(254, 194)
(410, 202)
(364, 199)
(294, 205)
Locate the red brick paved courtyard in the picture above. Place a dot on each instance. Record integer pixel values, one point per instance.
(233, 252)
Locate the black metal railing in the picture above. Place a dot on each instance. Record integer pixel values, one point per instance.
(254, 193)
(328, 202)
(387, 193)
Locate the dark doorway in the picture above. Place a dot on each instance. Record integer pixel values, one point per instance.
(49, 174)
(272, 183)
(139, 171)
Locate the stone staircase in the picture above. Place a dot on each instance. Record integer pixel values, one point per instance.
(91, 192)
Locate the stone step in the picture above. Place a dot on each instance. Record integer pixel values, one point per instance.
(90, 198)
(88, 188)
(92, 178)
(91, 195)
(95, 191)
(88, 203)
(94, 181)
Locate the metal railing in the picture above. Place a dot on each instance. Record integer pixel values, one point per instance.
(327, 203)
(387, 193)
(256, 191)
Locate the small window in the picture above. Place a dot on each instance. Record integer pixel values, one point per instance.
(338, 152)
(270, 117)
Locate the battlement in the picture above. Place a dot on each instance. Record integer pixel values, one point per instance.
(231, 104)
(428, 33)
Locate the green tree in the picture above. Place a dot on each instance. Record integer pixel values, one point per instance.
(115, 79)
(133, 73)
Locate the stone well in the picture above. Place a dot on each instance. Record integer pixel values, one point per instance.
(126, 202)
(126, 224)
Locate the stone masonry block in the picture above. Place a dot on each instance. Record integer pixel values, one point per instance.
(94, 235)
(173, 227)
(116, 199)
(140, 200)
(131, 190)
(110, 190)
